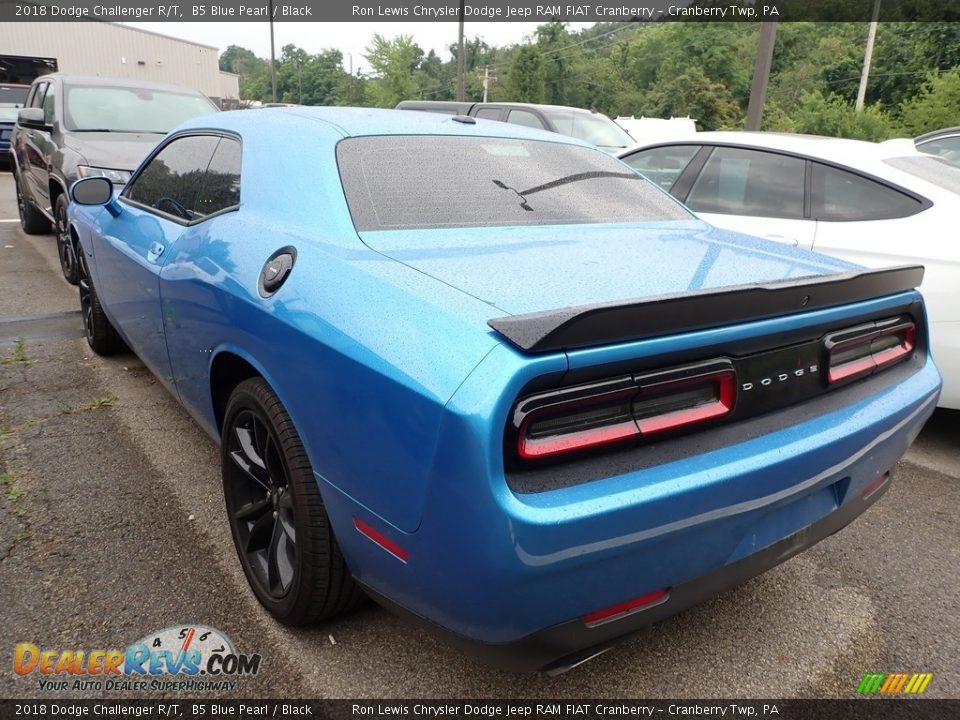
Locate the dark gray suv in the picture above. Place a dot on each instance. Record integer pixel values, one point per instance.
(74, 126)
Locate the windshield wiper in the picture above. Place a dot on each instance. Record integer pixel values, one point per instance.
(577, 177)
(523, 200)
(566, 180)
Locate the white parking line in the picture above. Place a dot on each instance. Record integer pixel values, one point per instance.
(11, 220)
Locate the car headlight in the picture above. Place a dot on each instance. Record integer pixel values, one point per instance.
(117, 177)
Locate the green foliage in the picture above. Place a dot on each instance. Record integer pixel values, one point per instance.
(701, 70)
(18, 356)
(525, 83)
(936, 106)
(833, 115)
(394, 63)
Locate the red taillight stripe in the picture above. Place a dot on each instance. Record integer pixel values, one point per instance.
(530, 448)
(891, 355)
(380, 539)
(854, 367)
(615, 612)
(726, 382)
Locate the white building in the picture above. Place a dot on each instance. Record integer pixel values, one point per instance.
(113, 50)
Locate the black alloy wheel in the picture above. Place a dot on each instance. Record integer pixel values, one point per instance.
(101, 335)
(32, 220)
(280, 528)
(65, 248)
(261, 504)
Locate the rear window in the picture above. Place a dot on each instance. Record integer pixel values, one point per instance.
(591, 127)
(410, 182)
(934, 170)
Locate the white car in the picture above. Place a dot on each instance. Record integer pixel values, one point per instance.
(875, 204)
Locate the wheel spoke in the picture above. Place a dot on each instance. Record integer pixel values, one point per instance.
(286, 561)
(285, 518)
(261, 534)
(250, 472)
(248, 443)
(273, 464)
(273, 570)
(253, 510)
(280, 562)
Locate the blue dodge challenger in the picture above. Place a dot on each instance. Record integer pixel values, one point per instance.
(490, 376)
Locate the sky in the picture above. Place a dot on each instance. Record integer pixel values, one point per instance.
(351, 38)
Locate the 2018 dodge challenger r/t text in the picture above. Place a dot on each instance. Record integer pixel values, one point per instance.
(492, 377)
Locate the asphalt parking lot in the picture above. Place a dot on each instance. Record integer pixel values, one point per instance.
(112, 526)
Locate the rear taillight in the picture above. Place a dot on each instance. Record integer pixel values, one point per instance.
(588, 416)
(859, 351)
(664, 404)
(576, 418)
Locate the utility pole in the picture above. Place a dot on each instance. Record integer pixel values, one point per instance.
(486, 81)
(868, 57)
(461, 60)
(761, 74)
(273, 56)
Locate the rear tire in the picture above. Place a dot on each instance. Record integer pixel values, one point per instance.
(32, 220)
(65, 248)
(280, 528)
(102, 337)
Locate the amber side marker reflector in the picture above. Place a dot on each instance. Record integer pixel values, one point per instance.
(380, 539)
(624, 609)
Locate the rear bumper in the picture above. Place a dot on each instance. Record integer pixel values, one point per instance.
(513, 573)
(564, 646)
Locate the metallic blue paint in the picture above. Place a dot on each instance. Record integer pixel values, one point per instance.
(379, 349)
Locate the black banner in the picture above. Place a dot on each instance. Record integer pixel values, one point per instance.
(475, 10)
(201, 709)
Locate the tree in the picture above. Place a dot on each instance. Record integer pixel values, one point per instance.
(694, 95)
(936, 106)
(835, 116)
(525, 81)
(394, 63)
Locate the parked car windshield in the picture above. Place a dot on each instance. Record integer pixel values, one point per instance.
(89, 108)
(593, 128)
(407, 182)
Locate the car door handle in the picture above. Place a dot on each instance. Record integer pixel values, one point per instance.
(156, 250)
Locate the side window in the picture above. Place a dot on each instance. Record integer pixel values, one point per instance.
(172, 179)
(36, 95)
(662, 165)
(221, 184)
(843, 196)
(48, 101)
(736, 181)
(488, 113)
(526, 118)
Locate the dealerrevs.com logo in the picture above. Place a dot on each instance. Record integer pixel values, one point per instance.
(188, 658)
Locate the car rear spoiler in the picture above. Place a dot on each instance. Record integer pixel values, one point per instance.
(589, 325)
